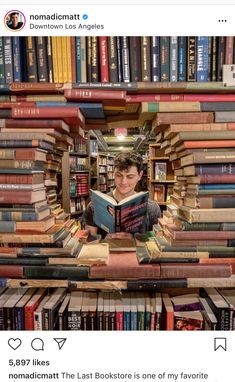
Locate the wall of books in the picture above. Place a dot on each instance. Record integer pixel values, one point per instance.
(114, 59)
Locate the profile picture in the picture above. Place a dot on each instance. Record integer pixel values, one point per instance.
(14, 20)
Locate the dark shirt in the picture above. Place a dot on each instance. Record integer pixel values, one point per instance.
(153, 213)
(18, 26)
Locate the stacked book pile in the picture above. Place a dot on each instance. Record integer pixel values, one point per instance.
(198, 225)
(33, 224)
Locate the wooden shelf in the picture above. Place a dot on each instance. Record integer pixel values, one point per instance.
(79, 171)
(78, 154)
(159, 158)
(162, 181)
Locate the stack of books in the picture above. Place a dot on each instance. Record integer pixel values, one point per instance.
(198, 225)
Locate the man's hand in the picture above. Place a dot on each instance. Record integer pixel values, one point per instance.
(119, 235)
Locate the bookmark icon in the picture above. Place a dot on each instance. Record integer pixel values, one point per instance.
(60, 342)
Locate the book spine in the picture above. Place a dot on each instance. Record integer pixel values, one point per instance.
(155, 58)
(220, 56)
(54, 59)
(119, 320)
(16, 52)
(83, 60)
(104, 63)
(192, 59)
(7, 226)
(229, 42)
(88, 58)
(94, 59)
(135, 59)
(8, 59)
(119, 59)
(49, 58)
(125, 59)
(64, 52)
(156, 284)
(74, 320)
(165, 58)
(31, 60)
(112, 58)
(59, 59)
(145, 59)
(213, 63)
(2, 66)
(41, 49)
(216, 169)
(182, 58)
(173, 59)
(71, 59)
(202, 71)
(78, 59)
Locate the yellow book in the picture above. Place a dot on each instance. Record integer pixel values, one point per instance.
(64, 52)
(69, 60)
(54, 59)
(59, 59)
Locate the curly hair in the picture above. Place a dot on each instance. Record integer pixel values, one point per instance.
(123, 161)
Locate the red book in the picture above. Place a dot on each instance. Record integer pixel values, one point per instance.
(37, 87)
(207, 179)
(227, 260)
(31, 306)
(12, 271)
(72, 113)
(104, 63)
(10, 105)
(124, 265)
(57, 124)
(73, 58)
(91, 95)
(136, 98)
(208, 144)
(209, 97)
(176, 271)
(21, 197)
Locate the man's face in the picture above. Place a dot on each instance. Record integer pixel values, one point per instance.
(126, 180)
(14, 19)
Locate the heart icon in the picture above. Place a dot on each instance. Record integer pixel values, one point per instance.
(14, 343)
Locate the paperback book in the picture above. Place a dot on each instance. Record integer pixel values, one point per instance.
(129, 215)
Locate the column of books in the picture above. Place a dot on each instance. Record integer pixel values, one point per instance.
(195, 237)
(35, 230)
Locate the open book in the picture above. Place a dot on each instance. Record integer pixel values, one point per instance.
(129, 215)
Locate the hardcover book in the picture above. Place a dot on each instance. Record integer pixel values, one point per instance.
(127, 216)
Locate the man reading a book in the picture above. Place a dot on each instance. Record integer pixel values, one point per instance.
(128, 170)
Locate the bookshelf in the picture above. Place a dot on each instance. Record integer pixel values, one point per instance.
(161, 175)
(79, 175)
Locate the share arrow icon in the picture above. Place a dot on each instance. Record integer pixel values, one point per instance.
(60, 342)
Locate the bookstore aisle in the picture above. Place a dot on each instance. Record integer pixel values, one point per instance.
(57, 141)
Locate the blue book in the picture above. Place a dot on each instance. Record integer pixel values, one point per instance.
(202, 58)
(89, 110)
(182, 58)
(2, 67)
(78, 59)
(4, 88)
(129, 215)
(17, 63)
(3, 282)
(227, 186)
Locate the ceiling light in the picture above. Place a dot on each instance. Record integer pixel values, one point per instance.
(121, 137)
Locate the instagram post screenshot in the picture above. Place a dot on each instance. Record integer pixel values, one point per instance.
(117, 191)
